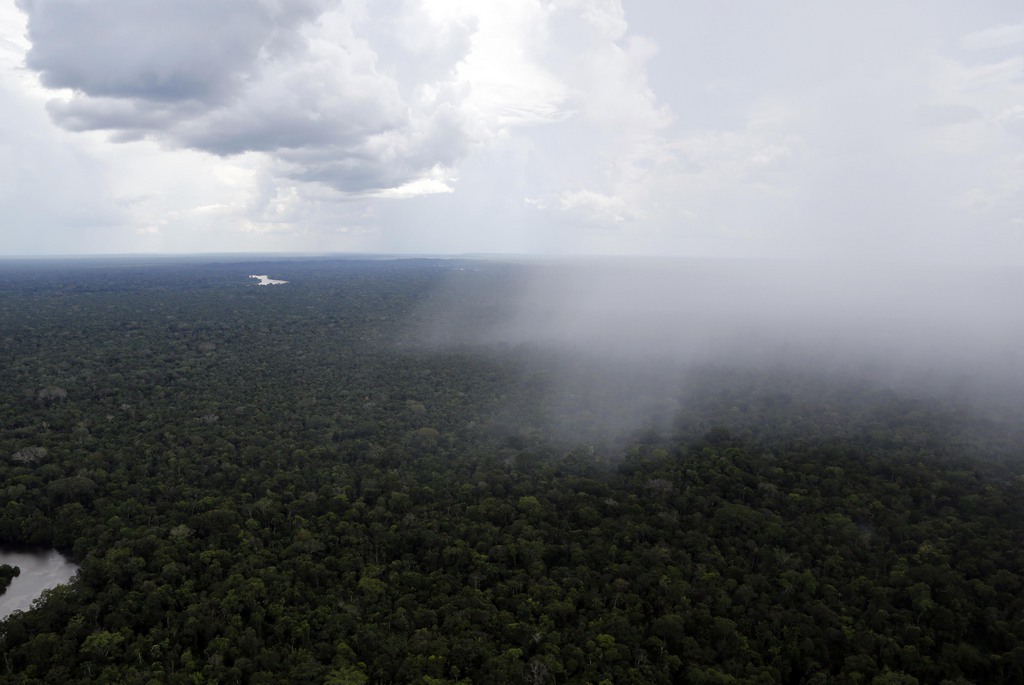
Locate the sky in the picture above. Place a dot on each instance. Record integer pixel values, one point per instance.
(705, 128)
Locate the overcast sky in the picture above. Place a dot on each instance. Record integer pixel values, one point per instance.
(784, 129)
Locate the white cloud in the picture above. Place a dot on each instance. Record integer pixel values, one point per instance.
(504, 81)
(1012, 119)
(439, 181)
(13, 43)
(592, 206)
(995, 37)
(604, 69)
(605, 18)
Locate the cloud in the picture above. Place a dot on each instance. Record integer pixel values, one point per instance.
(502, 74)
(996, 37)
(646, 128)
(440, 181)
(946, 115)
(1012, 119)
(13, 43)
(303, 83)
(594, 207)
(306, 86)
(612, 108)
(998, 74)
(48, 185)
(297, 81)
(187, 50)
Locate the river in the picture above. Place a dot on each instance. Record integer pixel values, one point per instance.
(41, 569)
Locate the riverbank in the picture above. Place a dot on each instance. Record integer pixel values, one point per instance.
(41, 569)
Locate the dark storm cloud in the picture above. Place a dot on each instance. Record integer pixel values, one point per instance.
(159, 51)
(387, 160)
(129, 118)
(298, 81)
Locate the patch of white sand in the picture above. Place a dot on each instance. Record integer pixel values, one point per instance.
(266, 280)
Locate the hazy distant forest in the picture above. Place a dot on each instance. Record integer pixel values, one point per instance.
(327, 482)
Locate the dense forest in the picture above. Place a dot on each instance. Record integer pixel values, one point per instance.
(314, 483)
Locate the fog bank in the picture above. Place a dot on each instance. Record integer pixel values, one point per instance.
(633, 330)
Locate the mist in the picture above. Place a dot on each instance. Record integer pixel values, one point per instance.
(623, 344)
